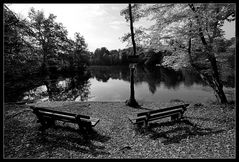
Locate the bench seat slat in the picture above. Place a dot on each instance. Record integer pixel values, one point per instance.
(67, 118)
(58, 116)
(59, 112)
(60, 119)
(56, 113)
(52, 111)
(94, 121)
(165, 113)
(63, 116)
(162, 110)
(136, 119)
(160, 117)
(151, 118)
(153, 115)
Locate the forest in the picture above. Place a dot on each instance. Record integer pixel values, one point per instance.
(39, 44)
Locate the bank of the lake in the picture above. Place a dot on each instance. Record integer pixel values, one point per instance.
(208, 131)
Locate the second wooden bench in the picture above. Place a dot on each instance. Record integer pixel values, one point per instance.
(143, 118)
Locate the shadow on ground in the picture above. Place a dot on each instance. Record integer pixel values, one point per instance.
(34, 143)
(73, 140)
(181, 130)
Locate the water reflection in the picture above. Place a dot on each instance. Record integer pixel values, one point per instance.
(74, 88)
(112, 83)
(151, 84)
(60, 88)
(153, 76)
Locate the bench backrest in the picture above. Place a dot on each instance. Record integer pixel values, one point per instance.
(168, 109)
(160, 113)
(58, 113)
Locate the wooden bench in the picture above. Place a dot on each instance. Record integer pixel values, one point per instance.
(143, 118)
(48, 117)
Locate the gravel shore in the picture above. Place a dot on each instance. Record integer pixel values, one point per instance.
(208, 131)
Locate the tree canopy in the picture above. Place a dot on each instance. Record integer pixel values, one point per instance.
(39, 41)
(193, 29)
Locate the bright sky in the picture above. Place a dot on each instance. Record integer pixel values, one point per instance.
(100, 24)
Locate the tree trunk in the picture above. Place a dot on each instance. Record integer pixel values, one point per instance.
(132, 102)
(217, 81)
(44, 69)
(132, 84)
(132, 29)
(214, 81)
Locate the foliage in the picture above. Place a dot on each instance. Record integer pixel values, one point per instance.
(19, 54)
(177, 60)
(136, 12)
(47, 34)
(40, 42)
(193, 29)
(176, 23)
(141, 38)
(225, 54)
(79, 55)
(102, 56)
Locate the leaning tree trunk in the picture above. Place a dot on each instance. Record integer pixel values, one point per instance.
(214, 80)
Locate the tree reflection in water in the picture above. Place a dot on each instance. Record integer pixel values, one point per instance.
(73, 88)
(54, 87)
(153, 76)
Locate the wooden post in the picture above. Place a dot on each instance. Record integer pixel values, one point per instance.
(132, 102)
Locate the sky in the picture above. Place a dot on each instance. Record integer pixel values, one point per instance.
(100, 24)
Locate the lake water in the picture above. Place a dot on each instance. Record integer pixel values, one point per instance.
(155, 84)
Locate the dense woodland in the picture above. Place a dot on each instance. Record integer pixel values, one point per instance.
(38, 44)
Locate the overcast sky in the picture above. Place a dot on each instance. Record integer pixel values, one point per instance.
(100, 24)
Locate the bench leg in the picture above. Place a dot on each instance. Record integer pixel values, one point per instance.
(42, 121)
(145, 124)
(43, 126)
(84, 132)
(176, 117)
(46, 123)
(141, 127)
(50, 123)
(82, 128)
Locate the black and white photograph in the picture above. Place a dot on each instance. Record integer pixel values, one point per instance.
(119, 80)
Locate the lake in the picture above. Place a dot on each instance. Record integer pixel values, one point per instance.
(155, 84)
